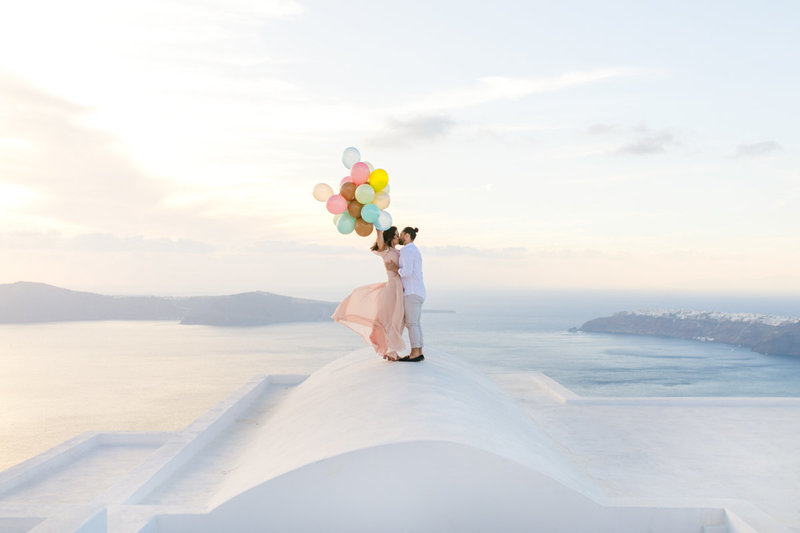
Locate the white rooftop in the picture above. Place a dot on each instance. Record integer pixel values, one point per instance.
(366, 445)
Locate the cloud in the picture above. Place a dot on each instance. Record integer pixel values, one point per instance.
(421, 128)
(757, 149)
(244, 9)
(499, 88)
(600, 129)
(299, 248)
(64, 175)
(648, 142)
(105, 242)
(204, 32)
(59, 174)
(450, 251)
(78, 174)
(24, 95)
(101, 242)
(640, 140)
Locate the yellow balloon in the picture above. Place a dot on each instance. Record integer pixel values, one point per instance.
(378, 178)
(382, 200)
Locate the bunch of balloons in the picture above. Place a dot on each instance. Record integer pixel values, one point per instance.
(363, 197)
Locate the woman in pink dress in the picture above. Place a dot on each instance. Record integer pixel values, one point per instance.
(375, 311)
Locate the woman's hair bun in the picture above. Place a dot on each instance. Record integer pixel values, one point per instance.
(416, 230)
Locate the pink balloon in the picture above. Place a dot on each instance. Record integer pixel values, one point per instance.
(345, 180)
(336, 204)
(359, 173)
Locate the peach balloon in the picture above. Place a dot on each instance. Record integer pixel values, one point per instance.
(382, 200)
(322, 191)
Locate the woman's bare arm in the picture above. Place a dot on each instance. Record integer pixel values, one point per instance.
(381, 244)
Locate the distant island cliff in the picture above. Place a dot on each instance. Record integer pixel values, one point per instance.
(28, 302)
(761, 333)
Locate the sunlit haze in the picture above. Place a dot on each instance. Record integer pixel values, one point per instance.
(171, 147)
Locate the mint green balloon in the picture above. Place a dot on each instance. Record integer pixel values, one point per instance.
(365, 193)
(346, 224)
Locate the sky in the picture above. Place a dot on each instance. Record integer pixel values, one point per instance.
(171, 147)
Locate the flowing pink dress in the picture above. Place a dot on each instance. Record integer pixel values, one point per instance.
(375, 311)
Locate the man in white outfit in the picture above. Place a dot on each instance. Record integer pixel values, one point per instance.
(410, 271)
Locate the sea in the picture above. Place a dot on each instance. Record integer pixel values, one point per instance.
(58, 380)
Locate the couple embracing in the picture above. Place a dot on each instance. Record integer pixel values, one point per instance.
(378, 312)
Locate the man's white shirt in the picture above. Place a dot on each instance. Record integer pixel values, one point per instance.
(411, 270)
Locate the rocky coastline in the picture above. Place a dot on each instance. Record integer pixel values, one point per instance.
(761, 333)
(29, 302)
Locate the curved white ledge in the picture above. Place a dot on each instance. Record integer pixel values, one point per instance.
(360, 402)
(366, 445)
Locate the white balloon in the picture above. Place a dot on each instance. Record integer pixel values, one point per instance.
(384, 221)
(351, 156)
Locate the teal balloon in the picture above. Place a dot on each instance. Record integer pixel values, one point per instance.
(351, 156)
(370, 213)
(346, 224)
(365, 193)
(384, 221)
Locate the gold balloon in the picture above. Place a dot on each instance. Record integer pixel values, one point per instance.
(354, 208)
(348, 190)
(363, 227)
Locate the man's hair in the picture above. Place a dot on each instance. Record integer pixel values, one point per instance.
(411, 231)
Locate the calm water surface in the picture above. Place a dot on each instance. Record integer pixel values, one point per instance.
(59, 380)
